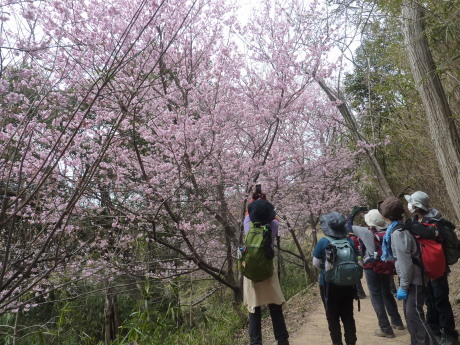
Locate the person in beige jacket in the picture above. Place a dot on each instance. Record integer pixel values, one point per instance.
(267, 292)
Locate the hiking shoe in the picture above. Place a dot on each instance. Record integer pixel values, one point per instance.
(398, 327)
(380, 333)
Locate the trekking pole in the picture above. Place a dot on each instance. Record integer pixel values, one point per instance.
(279, 256)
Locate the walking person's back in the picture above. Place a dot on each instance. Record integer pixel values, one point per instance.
(400, 245)
(261, 213)
(378, 273)
(337, 299)
(425, 223)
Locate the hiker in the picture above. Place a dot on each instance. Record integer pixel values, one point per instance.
(359, 249)
(439, 314)
(400, 245)
(267, 292)
(337, 299)
(378, 283)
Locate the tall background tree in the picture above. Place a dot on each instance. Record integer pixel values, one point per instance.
(443, 128)
(383, 54)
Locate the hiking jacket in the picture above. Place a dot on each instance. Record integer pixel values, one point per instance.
(404, 248)
(432, 214)
(367, 237)
(418, 228)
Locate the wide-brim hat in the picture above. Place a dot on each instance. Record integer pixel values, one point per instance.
(391, 208)
(333, 224)
(373, 218)
(419, 199)
(261, 211)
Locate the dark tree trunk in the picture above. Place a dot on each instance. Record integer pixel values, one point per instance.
(111, 315)
(443, 131)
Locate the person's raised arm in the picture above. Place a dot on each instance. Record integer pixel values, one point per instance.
(351, 217)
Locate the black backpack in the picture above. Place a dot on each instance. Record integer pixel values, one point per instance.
(448, 238)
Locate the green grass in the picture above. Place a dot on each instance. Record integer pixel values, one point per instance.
(214, 322)
(150, 315)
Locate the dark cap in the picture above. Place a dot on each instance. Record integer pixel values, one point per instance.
(261, 211)
(391, 208)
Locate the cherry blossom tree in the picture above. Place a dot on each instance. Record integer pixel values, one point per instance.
(130, 146)
(65, 99)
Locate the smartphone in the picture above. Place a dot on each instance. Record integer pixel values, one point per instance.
(258, 188)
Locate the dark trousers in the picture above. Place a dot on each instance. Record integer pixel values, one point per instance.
(383, 300)
(419, 330)
(338, 303)
(439, 313)
(279, 325)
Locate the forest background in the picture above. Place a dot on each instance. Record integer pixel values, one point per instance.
(132, 134)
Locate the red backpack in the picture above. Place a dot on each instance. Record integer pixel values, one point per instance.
(433, 260)
(375, 263)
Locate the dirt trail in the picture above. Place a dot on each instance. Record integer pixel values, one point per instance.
(307, 324)
(312, 329)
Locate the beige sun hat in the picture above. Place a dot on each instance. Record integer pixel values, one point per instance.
(373, 218)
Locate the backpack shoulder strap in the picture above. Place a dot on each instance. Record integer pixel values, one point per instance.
(337, 240)
(400, 227)
(374, 233)
(329, 238)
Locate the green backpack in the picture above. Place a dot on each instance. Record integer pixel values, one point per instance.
(341, 267)
(255, 256)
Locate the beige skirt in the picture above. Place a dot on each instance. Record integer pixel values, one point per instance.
(262, 293)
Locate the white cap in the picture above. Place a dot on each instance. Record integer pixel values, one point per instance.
(373, 218)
